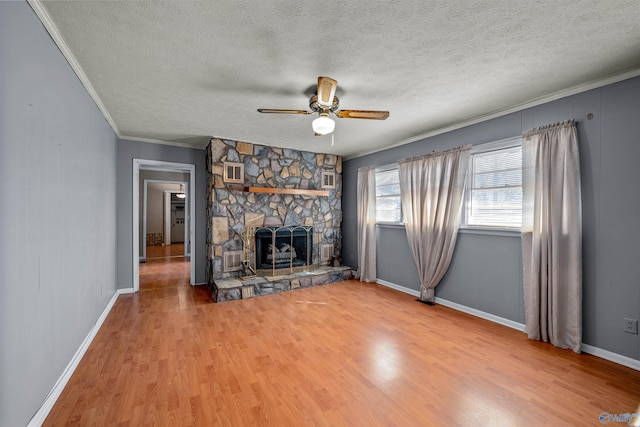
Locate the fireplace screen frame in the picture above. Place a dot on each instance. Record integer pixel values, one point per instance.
(277, 235)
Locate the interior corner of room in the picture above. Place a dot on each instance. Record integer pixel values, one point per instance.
(259, 254)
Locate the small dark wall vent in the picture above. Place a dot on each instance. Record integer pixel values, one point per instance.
(232, 261)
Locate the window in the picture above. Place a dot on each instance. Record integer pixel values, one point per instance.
(388, 208)
(494, 188)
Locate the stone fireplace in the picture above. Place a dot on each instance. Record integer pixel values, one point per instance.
(273, 191)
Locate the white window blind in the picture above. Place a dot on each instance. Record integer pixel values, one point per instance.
(388, 208)
(494, 190)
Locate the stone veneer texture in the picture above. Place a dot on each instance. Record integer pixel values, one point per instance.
(230, 208)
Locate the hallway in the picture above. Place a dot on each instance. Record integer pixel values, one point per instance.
(166, 266)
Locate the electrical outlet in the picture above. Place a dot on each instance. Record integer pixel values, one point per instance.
(630, 325)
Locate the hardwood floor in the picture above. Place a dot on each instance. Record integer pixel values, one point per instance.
(166, 266)
(345, 354)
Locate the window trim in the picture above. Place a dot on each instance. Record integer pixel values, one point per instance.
(385, 168)
(503, 144)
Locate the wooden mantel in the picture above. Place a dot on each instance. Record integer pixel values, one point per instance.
(298, 191)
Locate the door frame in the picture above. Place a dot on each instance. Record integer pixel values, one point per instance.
(166, 218)
(145, 201)
(162, 166)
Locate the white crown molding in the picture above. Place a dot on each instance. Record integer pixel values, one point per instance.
(586, 348)
(574, 90)
(42, 413)
(162, 142)
(55, 34)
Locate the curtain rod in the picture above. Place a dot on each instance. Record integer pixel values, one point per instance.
(533, 131)
(434, 153)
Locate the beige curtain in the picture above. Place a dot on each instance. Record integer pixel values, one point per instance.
(552, 235)
(432, 189)
(367, 224)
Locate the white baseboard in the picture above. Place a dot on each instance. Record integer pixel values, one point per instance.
(42, 413)
(612, 357)
(596, 351)
(482, 314)
(456, 306)
(398, 287)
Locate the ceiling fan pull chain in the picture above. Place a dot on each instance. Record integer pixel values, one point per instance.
(332, 134)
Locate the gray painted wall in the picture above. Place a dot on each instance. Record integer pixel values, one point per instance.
(486, 270)
(129, 150)
(57, 215)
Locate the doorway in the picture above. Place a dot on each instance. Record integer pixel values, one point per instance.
(164, 211)
(161, 256)
(174, 217)
(165, 259)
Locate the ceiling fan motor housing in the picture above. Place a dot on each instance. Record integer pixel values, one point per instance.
(316, 107)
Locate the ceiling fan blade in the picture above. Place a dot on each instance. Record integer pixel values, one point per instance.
(274, 111)
(362, 114)
(326, 91)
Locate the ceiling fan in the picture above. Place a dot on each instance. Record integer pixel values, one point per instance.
(326, 103)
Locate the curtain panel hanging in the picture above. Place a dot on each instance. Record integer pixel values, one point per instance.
(366, 198)
(431, 192)
(552, 235)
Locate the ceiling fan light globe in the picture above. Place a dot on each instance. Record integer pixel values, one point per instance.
(323, 125)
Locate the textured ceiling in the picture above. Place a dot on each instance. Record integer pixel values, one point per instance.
(182, 71)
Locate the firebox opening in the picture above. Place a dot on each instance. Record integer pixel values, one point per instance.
(292, 247)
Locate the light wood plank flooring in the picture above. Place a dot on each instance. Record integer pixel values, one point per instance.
(166, 266)
(345, 354)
